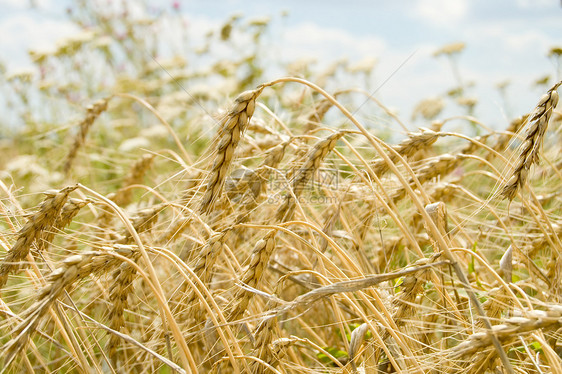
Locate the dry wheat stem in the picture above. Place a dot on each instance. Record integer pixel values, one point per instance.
(437, 166)
(126, 338)
(527, 258)
(389, 112)
(204, 294)
(511, 132)
(441, 242)
(276, 118)
(314, 119)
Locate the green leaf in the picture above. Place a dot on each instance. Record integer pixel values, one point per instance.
(536, 346)
(334, 351)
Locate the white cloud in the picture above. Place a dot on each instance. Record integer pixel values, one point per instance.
(328, 44)
(527, 4)
(23, 5)
(14, 4)
(512, 35)
(26, 33)
(441, 12)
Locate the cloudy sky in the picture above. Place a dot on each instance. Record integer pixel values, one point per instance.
(505, 40)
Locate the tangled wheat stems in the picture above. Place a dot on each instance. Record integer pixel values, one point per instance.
(74, 268)
(441, 241)
(165, 312)
(414, 327)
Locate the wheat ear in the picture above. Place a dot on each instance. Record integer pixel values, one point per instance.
(313, 160)
(529, 154)
(202, 266)
(67, 214)
(249, 200)
(263, 336)
(92, 112)
(123, 196)
(136, 175)
(407, 148)
(510, 328)
(232, 128)
(39, 223)
(119, 291)
(259, 259)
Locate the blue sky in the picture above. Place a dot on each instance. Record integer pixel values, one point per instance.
(505, 40)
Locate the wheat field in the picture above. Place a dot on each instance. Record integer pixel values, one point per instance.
(273, 231)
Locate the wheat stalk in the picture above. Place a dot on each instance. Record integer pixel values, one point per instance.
(436, 166)
(513, 128)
